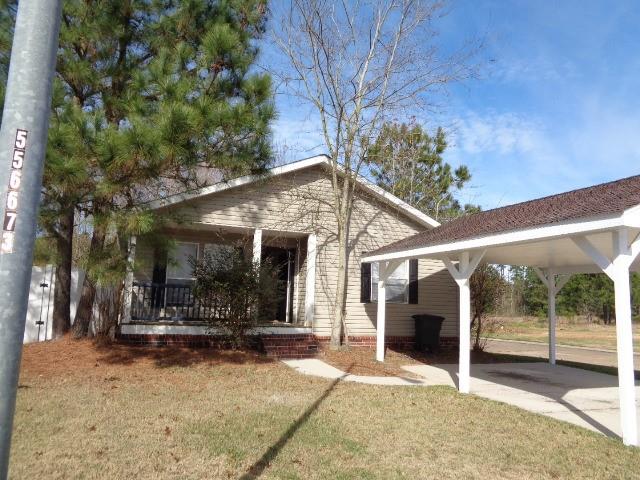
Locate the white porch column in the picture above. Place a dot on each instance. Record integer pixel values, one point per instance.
(618, 270)
(257, 246)
(310, 281)
(461, 274)
(127, 296)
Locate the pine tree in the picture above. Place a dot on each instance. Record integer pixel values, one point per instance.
(407, 161)
(146, 94)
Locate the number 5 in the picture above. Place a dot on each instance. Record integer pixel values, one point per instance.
(21, 139)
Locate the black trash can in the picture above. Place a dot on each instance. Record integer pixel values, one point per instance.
(428, 332)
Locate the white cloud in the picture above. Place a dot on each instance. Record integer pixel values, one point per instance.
(502, 133)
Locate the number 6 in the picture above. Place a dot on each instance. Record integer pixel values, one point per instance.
(14, 179)
(12, 201)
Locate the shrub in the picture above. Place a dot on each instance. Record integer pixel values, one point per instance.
(234, 291)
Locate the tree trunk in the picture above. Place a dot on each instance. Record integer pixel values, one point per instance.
(61, 323)
(476, 342)
(85, 305)
(338, 328)
(341, 291)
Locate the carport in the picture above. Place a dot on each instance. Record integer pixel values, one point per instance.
(591, 230)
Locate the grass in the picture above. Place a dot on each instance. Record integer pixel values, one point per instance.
(100, 412)
(570, 331)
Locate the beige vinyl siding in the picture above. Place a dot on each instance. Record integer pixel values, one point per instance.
(301, 202)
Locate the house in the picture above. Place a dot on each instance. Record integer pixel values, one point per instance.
(286, 216)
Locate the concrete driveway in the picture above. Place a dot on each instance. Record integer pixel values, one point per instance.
(584, 398)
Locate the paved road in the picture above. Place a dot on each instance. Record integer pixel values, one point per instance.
(573, 354)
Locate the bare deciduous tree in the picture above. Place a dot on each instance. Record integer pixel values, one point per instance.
(359, 64)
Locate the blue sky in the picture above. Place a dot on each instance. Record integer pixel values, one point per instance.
(557, 106)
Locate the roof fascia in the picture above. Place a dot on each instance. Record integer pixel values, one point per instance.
(519, 236)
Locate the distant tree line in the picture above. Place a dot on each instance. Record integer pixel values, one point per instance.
(587, 295)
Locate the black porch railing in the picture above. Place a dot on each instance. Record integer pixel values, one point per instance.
(166, 301)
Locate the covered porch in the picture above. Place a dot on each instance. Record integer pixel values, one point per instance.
(159, 281)
(593, 230)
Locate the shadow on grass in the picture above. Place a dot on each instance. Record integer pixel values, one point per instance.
(264, 462)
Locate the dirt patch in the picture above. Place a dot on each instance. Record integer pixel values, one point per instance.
(68, 358)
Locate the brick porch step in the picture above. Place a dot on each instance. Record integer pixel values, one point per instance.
(290, 346)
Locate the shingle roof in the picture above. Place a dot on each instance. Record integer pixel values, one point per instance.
(600, 200)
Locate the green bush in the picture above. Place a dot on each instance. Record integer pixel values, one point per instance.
(235, 291)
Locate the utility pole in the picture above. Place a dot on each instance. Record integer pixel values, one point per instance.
(23, 141)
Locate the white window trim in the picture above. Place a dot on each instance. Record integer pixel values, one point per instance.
(374, 285)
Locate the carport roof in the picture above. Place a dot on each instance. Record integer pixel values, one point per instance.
(599, 201)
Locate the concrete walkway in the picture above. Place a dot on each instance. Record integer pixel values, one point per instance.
(593, 356)
(584, 398)
(318, 368)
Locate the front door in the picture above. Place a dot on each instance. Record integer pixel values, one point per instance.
(284, 261)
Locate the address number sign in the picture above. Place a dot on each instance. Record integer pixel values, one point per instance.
(12, 202)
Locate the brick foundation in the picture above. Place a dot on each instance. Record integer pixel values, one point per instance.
(276, 345)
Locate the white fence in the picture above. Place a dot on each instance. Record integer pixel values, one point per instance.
(40, 311)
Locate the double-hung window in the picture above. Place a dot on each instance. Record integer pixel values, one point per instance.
(400, 287)
(396, 287)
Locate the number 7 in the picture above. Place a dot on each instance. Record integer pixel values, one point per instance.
(10, 221)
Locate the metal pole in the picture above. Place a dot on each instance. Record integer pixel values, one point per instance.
(23, 140)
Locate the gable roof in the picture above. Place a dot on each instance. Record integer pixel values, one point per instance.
(318, 160)
(604, 200)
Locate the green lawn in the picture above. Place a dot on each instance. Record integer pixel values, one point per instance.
(85, 412)
(575, 332)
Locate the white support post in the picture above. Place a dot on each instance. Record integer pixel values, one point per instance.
(382, 304)
(310, 281)
(257, 246)
(384, 270)
(127, 296)
(551, 300)
(624, 335)
(554, 284)
(618, 270)
(461, 274)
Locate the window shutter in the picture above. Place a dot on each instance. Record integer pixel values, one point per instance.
(365, 283)
(413, 280)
